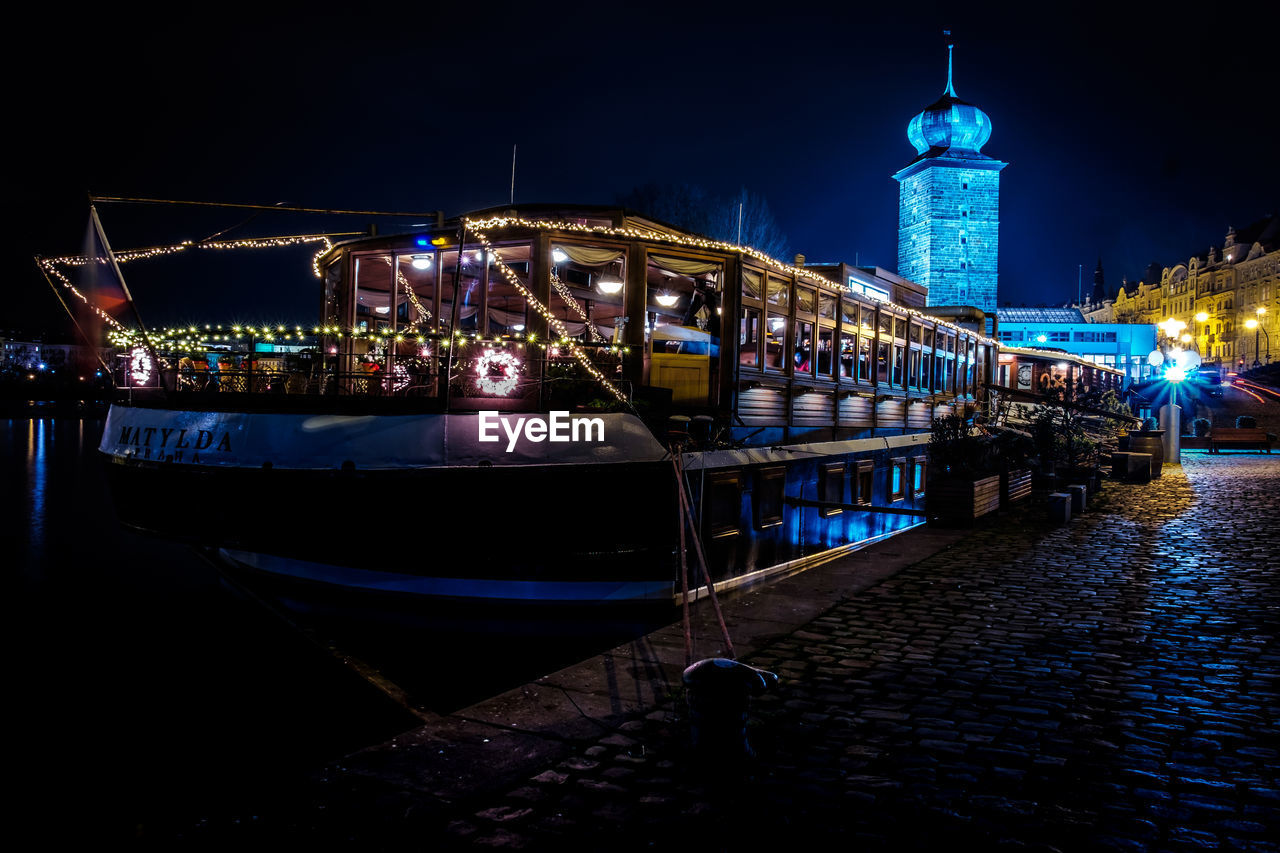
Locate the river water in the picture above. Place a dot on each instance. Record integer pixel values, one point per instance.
(149, 690)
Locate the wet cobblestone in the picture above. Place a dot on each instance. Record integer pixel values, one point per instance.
(1109, 685)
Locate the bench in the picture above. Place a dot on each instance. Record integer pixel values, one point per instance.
(1239, 437)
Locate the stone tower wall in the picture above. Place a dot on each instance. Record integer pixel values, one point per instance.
(948, 233)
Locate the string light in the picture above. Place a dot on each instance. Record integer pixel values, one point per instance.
(633, 233)
(140, 366)
(498, 372)
(552, 321)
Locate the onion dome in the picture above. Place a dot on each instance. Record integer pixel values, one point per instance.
(949, 123)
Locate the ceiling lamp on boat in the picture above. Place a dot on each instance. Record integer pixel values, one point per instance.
(421, 262)
(609, 283)
(559, 256)
(666, 298)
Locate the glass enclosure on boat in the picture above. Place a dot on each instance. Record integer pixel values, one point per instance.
(606, 311)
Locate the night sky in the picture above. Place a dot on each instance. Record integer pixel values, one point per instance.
(1135, 133)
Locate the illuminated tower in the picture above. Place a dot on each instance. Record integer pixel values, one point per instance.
(949, 204)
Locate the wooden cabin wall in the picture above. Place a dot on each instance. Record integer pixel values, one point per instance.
(814, 409)
(856, 411)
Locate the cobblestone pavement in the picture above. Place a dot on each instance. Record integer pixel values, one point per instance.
(1109, 685)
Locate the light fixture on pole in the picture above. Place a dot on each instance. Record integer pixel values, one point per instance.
(1170, 413)
(1203, 319)
(1255, 324)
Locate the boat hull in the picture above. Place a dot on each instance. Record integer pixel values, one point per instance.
(419, 507)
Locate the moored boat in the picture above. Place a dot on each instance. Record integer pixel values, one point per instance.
(487, 409)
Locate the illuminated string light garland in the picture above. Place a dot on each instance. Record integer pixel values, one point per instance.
(633, 233)
(140, 365)
(497, 372)
(53, 265)
(552, 321)
(563, 290)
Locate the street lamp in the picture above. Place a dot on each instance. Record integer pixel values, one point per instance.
(1202, 318)
(1170, 414)
(1253, 323)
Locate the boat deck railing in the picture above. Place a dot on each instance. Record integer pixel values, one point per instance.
(491, 378)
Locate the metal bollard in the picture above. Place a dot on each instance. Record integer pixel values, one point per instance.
(719, 692)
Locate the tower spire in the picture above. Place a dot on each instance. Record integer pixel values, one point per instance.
(950, 46)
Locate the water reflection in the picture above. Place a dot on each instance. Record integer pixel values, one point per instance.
(139, 676)
(153, 680)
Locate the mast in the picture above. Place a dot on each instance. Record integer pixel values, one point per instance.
(146, 339)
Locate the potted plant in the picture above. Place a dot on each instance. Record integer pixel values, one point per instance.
(1199, 438)
(1073, 427)
(962, 484)
(1011, 453)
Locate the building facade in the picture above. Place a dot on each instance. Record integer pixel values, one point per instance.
(1228, 298)
(1123, 346)
(949, 205)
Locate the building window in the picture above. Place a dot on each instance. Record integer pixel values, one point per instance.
(918, 478)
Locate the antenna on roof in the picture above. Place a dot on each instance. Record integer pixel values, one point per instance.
(513, 173)
(950, 46)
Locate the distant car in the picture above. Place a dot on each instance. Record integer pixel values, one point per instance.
(1211, 380)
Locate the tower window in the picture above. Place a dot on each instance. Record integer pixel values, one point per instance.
(966, 186)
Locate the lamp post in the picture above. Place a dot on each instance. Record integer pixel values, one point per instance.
(1171, 414)
(1256, 324)
(1203, 319)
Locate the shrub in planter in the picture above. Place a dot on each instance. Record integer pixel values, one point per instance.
(1246, 422)
(1200, 427)
(1149, 425)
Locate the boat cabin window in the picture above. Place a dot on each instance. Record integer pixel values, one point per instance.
(725, 498)
(767, 494)
(333, 312)
(752, 284)
(775, 342)
(372, 292)
(805, 303)
(588, 290)
(682, 326)
(918, 478)
(826, 345)
(779, 293)
(804, 357)
(897, 478)
(463, 289)
(749, 338)
(831, 487)
(865, 482)
(506, 310)
(826, 307)
(848, 354)
(416, 277)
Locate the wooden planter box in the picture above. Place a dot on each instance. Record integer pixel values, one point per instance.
(1015, 485)
(962, 501)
